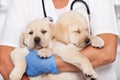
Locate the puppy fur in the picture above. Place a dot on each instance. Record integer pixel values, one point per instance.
(37, 36)
(71, 35)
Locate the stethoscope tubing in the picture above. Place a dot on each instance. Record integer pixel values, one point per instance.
(44, 11)
(71, 7)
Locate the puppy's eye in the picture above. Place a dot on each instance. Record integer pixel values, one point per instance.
(43, 31)
(31, 32)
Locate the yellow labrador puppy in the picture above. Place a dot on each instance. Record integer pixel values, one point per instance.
(71, 35)
(37, 36)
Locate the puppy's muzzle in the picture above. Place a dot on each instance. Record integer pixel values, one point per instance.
(37, 40)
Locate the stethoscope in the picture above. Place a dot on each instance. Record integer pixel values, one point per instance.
(71, 8)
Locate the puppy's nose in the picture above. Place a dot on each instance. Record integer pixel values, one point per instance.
(37, 39)
(87, 41)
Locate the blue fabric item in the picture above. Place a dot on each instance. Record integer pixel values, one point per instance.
(37, 65)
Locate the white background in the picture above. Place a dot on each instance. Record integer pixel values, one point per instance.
(4, 4)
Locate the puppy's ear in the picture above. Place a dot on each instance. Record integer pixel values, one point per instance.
(22, 40)
(61, 33)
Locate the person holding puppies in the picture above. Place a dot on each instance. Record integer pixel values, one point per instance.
(101, 21)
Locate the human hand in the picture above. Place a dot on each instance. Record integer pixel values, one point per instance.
(37, 65)
(5, 61)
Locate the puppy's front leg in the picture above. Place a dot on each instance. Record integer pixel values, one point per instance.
(71, 55)
(18, 59)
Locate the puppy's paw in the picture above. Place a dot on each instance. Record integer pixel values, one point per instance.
(97, 42)
(90, 75)
(45, 53)
(15, 75)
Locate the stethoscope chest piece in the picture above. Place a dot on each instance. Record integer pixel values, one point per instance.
(49, 18)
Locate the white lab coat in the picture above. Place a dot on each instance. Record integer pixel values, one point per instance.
(102, 20)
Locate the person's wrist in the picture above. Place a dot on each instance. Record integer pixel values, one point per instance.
(25, 77)
(64, 66)
(59, 63)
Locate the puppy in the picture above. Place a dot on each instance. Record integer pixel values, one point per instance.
(37, 36)
(67, 32)
(71, 35)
